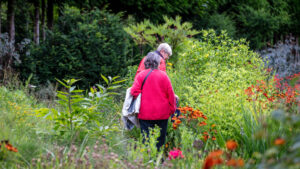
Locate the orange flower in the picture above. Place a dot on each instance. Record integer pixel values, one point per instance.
(204, 117)
(279, 141)
(271, 99)
(213, 138)
(248, 91)
(205, 137)
(189, 109)
(240, 162)
(202, 123)
(174, 126)
(181, 117)
(231, 145)
(213, 125)
(231, 162)
(216, 153)
(10, 147)
(213, 158)
(177, 121)
(235, 163)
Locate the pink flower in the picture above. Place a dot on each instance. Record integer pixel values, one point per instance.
(175, 153)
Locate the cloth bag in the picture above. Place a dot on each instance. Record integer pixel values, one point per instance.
(131, 107)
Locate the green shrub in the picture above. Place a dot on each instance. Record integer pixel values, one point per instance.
(81, 46)
(212, 74)
(262, 22)
(221, 22)
(172, 31)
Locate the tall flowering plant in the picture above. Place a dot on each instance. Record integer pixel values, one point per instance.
(224, 157)
(5, 148)
(278, 91)
(196, 121)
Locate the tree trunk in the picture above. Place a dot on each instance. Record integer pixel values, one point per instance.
(43, 20)
(50, 14)
(0, 16)
(11, 19)
(36, 22)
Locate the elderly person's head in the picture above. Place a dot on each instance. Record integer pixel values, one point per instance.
(152, 60)
(165, 50)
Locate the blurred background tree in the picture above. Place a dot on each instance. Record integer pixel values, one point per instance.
(48, 23)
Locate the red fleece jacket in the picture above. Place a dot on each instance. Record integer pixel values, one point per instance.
(158, 98)
(162, 66)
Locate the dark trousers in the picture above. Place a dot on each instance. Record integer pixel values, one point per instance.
(162, 124)
(177, 112)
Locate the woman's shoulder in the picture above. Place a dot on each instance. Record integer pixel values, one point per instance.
(162, 72)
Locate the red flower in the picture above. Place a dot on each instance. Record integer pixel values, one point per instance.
(175, 153)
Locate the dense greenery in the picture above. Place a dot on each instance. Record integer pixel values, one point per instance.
(65, 65)
(82, 46)
(230, 113)
(213, 74)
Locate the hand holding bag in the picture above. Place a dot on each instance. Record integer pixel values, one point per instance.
(131, 108)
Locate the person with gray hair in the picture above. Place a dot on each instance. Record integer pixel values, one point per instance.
(164, 50)
(158, 98)
(152, 61)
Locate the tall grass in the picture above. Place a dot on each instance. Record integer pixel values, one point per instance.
(19, 126)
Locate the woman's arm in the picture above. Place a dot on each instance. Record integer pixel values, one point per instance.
(136, 87)
(171, 95)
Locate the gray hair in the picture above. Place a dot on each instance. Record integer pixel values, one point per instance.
(166, 47)
(152, 60)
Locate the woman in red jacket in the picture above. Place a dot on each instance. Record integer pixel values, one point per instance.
(158, 98)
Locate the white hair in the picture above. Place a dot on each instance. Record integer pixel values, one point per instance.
(166, 47)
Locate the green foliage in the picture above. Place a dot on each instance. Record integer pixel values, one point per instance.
(212, 75)
(146, 152)
(220, 22)
(156, 9)
(78, 113)
(262, 23)
(172, 31)
(82, 45)
(18, 125)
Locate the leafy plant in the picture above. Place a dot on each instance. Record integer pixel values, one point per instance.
(173, 31)
(82, 114)
(211, 75)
